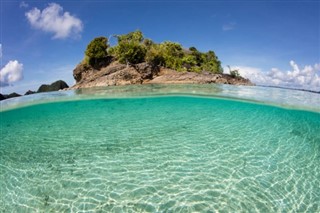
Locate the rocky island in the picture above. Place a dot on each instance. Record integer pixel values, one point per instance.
(137, 60)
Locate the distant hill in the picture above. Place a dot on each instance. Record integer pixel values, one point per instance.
(55, 86)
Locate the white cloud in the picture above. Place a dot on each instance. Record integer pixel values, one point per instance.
(229, 26)
(10, 73)
(305, 78)
(52, 19)
(23, 5)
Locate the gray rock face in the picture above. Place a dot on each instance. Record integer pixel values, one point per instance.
(55, 86)
(143, 73)
(174, 77)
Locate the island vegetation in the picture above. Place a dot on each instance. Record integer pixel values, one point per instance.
(133, 48)
(135, 59)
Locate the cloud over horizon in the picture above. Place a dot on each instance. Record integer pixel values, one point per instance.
(52, 19)
(306, 78)
(10, 73)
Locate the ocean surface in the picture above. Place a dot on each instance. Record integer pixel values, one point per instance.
(167, 148)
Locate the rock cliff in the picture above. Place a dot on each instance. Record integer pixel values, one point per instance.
(143, 73)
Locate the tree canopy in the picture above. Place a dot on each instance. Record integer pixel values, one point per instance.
(130, 48)
(96, 49)
(133, 48)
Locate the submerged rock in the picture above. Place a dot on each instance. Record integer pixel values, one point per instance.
(55, 86)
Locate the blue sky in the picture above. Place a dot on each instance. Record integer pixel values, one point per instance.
(270, 42)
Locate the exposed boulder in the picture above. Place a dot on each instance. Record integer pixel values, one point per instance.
(81, 70)
(147, 71)
(55, 86)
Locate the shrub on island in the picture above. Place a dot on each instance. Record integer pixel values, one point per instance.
(133, 48)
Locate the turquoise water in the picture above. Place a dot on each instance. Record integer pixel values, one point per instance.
(159, 154)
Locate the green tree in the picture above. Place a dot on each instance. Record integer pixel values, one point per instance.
(135, 36)
(148, 43)
(133, 48)
(193, 49)
(211, 62)
(189, 62)
(131, 52)
(130, 49)
(154, 55)
(172, 53)
(197, 55)
(234, 73)
(96, 49)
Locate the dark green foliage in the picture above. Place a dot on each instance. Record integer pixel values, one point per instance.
(96, 49)
(189, 62)
(172, 54)
(154, 56)
(131, 52)
(135, 36)
(211, 63)
(133, 48)
(198, 59)
(130, 48)
(234, 73)
(148, 43)
(193, 49)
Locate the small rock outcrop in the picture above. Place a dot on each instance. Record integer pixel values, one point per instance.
(143, 73)
(30, 92)
(11, 95)
(2, 97)
(55, 86)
